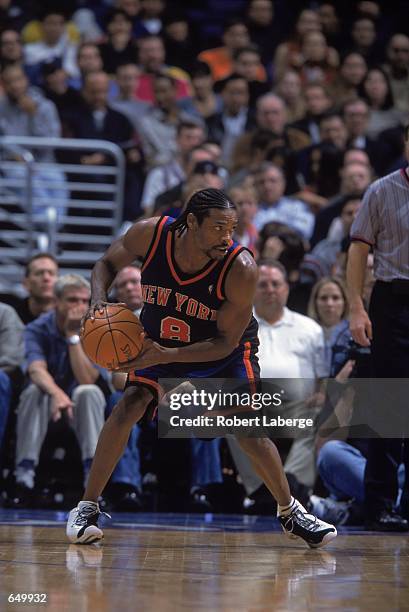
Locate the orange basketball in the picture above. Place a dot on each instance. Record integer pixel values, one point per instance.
(113, 337)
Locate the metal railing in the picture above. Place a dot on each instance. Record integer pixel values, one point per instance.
(68, 208)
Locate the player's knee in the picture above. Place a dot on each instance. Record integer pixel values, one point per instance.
(132, 405)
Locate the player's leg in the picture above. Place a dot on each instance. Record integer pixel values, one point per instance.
(266, 462)
(82, 526)
(294, 518)
(264, 456)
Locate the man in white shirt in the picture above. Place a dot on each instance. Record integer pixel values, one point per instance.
(291, 346)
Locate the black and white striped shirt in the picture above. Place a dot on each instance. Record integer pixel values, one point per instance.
(383, 222)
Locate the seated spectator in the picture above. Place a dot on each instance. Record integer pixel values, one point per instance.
(291, 346)
(364, 39)
(127, 288)
(289, 89)
(356, 114)
(247, 63)
(341, 449)
(204, 101)
(320, 164)
(151, 59)
(263, 29)
(158, 126)
(188, 136)
(274, 206)
(57, 89)
(350, 75)
(355, 178)
(327, 250)
(397, 69)
(319, 60)
(220, 60)
(11, 359)
(328, 306)
(203, 175)
(150, 17)
(124, 489)
(85, 20)
(95, 119)
(377, 91)
(179, 40)
(246, 202)
(40, 276)
(54, 43)
(271, 115)
(331, 23)
(247, 159)
(173, 195)
(127, 76)
(120, 47)
(133, 9)
(280, 242)
(317, 103)
(33, 31)
(228, 125)
(288, 54)
(63, 381)
(11, 49)
(89, 60)
(25, 112)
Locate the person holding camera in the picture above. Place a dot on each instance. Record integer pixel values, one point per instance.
(381, 224)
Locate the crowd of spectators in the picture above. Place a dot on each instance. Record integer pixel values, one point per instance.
(292, 108)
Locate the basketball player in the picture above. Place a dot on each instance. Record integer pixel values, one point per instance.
(198, 292)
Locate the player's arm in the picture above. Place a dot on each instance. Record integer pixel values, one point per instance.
(232, 319)
(121, 253)
(360, 324)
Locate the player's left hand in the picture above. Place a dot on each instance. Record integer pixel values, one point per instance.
(151, 354)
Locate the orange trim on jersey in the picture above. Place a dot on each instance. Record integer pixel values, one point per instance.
(222, 273)
(194, 279)
(147, 381)
(155, 244)
(248, 366)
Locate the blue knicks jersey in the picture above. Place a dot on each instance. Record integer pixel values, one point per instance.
(181, 308)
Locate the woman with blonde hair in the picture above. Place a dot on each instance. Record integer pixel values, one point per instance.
(328, 306)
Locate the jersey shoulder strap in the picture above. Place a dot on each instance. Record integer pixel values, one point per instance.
(233, 253)
(163, 222)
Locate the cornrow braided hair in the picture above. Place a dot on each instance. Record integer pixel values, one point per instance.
(199, 204)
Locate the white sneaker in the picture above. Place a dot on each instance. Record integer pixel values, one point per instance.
(299, 523)
(82, 524)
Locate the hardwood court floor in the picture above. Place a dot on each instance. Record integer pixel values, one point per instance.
(184, 562)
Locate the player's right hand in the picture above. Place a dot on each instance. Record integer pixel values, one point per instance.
(360, 326)
(99, 306)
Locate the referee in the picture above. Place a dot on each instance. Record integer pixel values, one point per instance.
(382, 223)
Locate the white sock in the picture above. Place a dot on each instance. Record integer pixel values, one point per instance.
(286, 510)
(81, 504)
